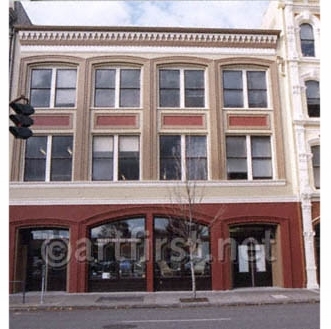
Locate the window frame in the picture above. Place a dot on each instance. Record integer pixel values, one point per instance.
(182, 87)
(245, 87)
(250, 159)
(49, 159)
(184, 157)
(53, 88)
(117, 87)
(116, 157)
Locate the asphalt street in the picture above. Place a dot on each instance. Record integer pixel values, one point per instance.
(283, 316)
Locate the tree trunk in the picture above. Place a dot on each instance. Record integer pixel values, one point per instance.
(194, 290)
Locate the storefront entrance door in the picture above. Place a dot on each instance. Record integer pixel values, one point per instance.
(251, 255)
(45, 258)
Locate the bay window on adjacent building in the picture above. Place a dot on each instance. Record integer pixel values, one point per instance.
(115, 158)
(48, 158)
(245, 89)
(249, 157)
(183, 88)
(307, 40)
(183, 157)
(117, 87)
(313, 98)
(53, 87)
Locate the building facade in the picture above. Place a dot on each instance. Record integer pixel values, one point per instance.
(132, 122)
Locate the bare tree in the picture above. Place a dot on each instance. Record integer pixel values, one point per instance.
(186, 199)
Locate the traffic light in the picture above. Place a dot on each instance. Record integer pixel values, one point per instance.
(21, 119)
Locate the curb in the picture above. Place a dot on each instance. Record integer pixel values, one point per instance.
(36, 308)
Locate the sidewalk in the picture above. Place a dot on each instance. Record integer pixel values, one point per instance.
(247, 296)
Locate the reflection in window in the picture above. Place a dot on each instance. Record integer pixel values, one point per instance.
(181, 88)
(316, 165)
(124, 167)
(57, 166)
(179, 152)
(171, 250)
(118, 250)
(307, 40)
(313, 98)
(117, 88)
(249, 157)
(243, 88)
(46, 91)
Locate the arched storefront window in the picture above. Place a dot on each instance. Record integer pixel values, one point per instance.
(118, 256)
(171, 254)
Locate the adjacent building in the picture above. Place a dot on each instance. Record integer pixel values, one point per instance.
(129, 123)
(299, 58)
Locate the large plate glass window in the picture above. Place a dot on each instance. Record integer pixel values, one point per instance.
(48, 158)
(53, 87)
(118, 256)
(172, 269)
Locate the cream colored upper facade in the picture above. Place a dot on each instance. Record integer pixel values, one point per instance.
(150, 49)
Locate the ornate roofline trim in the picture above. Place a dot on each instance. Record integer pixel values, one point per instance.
(157, 37)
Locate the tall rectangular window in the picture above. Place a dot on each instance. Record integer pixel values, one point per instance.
(316, 165)
(48, 158)
(52, 87)
(128, 158)
(182, 88)
(261, 157)
(103, 158)
(249, 157)
(183, 157)
(196, 157)
(236, 153)
(313, 98)
(245, 88)
(170, 157)
(117, 87)
(116, 158)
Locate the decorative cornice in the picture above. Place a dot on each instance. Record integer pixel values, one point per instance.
(157, 37)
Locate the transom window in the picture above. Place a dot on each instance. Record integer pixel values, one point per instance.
(307, 40)
(115, 158)
(313, 98)
(316, 165)
(249, 157)
(183, 157)
(181, 88)
(245, 88)
(53, 87)
(117, 87)
(48, 158)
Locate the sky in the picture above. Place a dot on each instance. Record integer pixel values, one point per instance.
(180, 13)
